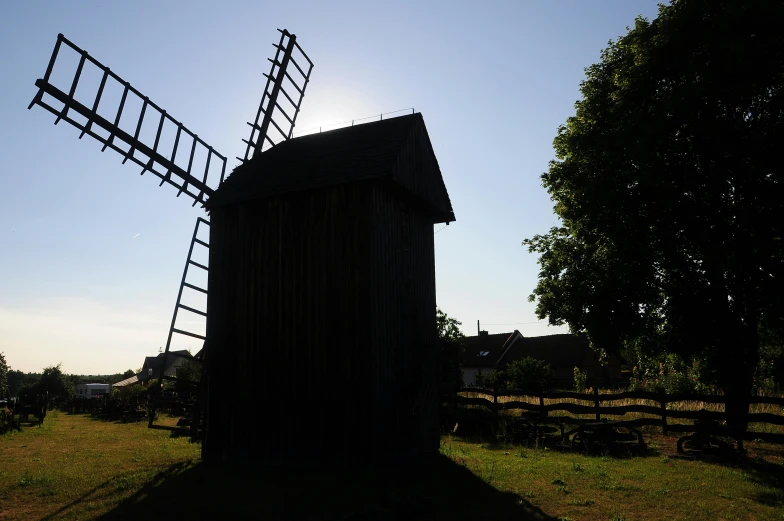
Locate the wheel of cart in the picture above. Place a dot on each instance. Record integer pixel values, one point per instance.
(533, 429)
(709, 437)
(595, 436)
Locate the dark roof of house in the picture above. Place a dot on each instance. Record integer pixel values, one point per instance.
(491, 345)
(558, 350)
(137, 378)
(154, 362)
(397, 149)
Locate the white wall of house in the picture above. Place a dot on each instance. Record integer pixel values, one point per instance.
(90, 391)
(174, 362)
(469, 375)
(178, 362)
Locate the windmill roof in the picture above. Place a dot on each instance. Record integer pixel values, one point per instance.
(397, 149)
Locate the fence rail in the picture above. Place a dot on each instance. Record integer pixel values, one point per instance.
(535, 405)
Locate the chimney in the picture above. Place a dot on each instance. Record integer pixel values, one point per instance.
(483, 334)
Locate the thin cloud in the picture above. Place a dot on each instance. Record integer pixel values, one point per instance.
(136, 235)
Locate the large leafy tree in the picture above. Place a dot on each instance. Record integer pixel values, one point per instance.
(668, 183)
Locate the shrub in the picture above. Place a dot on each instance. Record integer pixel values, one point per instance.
(493, 380)
(580, 380)
(528, 374)
(525, 375)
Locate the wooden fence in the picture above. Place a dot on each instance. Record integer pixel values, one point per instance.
(537, 408)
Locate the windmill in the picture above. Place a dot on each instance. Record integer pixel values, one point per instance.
(320, 342)
(80, 90)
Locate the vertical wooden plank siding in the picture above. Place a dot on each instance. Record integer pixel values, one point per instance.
(404, 335)
(322, 330)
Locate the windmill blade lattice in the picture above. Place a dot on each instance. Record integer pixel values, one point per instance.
(277, 116)
(191, 284)
(192, 166)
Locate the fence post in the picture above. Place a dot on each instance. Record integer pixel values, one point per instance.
(596, 403)
(542, 410)
(495, 401)
(663, 401)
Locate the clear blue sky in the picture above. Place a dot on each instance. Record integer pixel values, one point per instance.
(91, 253)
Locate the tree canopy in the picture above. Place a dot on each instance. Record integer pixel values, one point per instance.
(668, 185)
(450, 340)
(448, 327)
(54, 382)
(525, 375)
(3, 376)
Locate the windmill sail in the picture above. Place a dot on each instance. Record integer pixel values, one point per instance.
(123, 119)
(194, 286)
(277, 115)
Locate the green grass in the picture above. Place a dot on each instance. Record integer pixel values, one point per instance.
(74, 467)
(653, 486)
(44, 469)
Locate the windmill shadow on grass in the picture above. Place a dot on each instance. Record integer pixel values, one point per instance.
(439, 490)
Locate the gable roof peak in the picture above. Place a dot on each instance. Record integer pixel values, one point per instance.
(396, 149)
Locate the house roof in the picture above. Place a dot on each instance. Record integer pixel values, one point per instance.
(154, 362)
(484, 350)
(396, 149)
(557, 350)
(135, 379)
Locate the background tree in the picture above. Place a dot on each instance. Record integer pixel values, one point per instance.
(54, 382)
(450, 339)
(17, 379)
(188, 374)
(130, 396)
(528, 375)
(448, 328)
(669, 187)
(495, 379)
(3, 376)
(580, 380)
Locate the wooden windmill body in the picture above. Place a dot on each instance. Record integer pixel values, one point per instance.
(320, 343)
(322, 299)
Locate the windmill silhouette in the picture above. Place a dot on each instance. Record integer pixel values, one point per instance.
(185, 162)
(320, 345)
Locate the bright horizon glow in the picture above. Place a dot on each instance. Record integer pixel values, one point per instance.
(92, 253)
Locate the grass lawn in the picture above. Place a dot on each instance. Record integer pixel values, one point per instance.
(657, 485)
(97, 464)
(74, 467)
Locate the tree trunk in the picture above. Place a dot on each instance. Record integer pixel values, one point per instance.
(737, 396)
(737, 364)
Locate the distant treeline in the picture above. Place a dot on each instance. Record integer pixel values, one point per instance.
(56, 382)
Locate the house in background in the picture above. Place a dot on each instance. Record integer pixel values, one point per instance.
(482, 353)
(92, 391)
(152, 367)
(485, 353)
